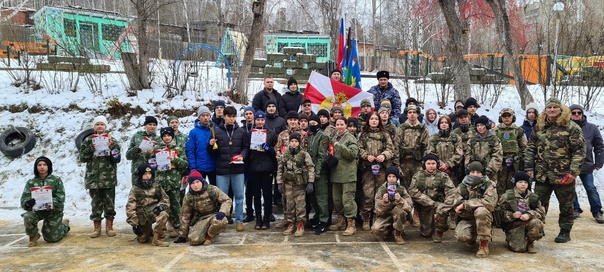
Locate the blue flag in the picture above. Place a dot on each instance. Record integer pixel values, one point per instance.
(352, 74)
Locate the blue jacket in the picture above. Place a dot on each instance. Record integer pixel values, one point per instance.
(528, 127)
(389, 93)
(198, 146)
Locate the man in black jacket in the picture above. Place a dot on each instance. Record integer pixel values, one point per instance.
(292, 98)
(266, 94)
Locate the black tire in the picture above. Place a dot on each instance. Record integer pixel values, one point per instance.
(82, 137)
(17, 141)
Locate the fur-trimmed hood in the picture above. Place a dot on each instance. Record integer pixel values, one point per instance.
(563, 119)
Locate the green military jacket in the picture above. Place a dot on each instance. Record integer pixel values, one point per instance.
(513, 143)
(283, 140)
(481, 195)
(170, 180)
(485, 149)
(430, 189)
(180, 139)
(142, 201)
(449, 149)
(375, 142)
(58, 191)
(101, 172)
(395, 134)
(296, 168)
(318, 144)
(413, 141)
(202, 205)
(138, 158)
(508, 205)
(346, 150)
(383, 208)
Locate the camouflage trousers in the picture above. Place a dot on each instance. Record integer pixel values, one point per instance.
(395, 219)
(343, 199)
(103, 201)
(320, 198)
(504, 179)
(295, 202)
(174, 196)
(53, 228)
(371, 183)
(148, 229)
(408, 168)
(474, 224)
(429, 220)
(209, 226)
(518, 232)
(565, 195)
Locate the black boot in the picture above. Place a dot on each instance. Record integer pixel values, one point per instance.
(272, 218)
(321, 228)
(563, 236)
(249, 216)
(258, 223)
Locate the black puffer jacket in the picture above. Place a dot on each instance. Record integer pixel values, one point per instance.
(595, 146)
(291, 101)
(275, 123)
(264, 161)
(260, 99)
(240, 146)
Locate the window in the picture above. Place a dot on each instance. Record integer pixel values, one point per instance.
(70, 28)
(111, 32)
(317, 49)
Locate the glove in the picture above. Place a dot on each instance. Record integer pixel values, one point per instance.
(158, 209)
(137, 150)
(220, 215)
(137, 230)
(280, 188)
(180, 240)
(267, 148)
(30, 204)
(310, 188)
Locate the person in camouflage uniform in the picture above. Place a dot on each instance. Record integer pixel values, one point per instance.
(364, 114)
(521, 215)
(295, 178)
(353, 126)
(375, 151)
(326, 127)
(474, 200)
(54, 227)
(147, 204)
(392, 131)
(429, 188)
(449, 149)
(343, 177)
(204, 212)
(318, 144)
(101, 177)
(513, 143)
(134, 153)
(180, 138)
(464, 131)
(413, 140)
(170, 180)
(392, 206)
(554, 154)
(336, 112)
(292, 127)
(485, 147)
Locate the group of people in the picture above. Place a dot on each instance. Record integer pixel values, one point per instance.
(386, 168)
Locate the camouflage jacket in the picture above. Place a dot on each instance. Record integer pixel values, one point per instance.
(430, 189)
(318, 145)
(58, 191)
(101, 172)
(485, 149)
(138, 158)
(171, 179)
(142, 201)
(361, 119)
(330, 131)
(375, 142)
(412, 141)
(296, 168)
(347, 152)
(448, 148)
(511, 200)
(383, 209)
(555, 149)
(283, 140)
(513, 143)
(180, 139)
(481, 195)
(395, 134)
(202, 205)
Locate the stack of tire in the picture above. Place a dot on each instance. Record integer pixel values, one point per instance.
(17, 141)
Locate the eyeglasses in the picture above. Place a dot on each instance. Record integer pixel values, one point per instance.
(577, 113)
(306, 105)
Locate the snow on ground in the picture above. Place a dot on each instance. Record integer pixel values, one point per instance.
(57, 115)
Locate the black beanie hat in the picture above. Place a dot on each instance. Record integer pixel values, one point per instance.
(316, 118)
(475, 166)
(48, 163)
(291, 81)
(471, 101)
(269, 102)
(145, 168)
(166, 130)
(323, 112)
(430, 156)
(335, 70)
(393, 170)
(520, 175)
(294, 135)
(382, 74)
(291, 115)
(411, 100)
(482, 120)
(149, 120)
(352, 122)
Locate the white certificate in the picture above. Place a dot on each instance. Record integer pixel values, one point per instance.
(147, 144)
(161, 157)
(43, 197)
(101, 145)
(257, 138)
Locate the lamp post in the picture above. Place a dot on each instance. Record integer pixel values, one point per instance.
(558, 9)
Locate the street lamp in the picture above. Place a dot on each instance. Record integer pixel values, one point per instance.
(558, 9)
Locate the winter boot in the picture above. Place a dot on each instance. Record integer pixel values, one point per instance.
(290, 229)
(33, 240)
(366, 226)
(438, 236)
(483, 249)
(415, 217)
(300, 229)
(208, 240)
(109, 227)
(530, 247)
(452, 220)
(563, 236)
(350, 229)
(341, 224)
(282, 224)
(249, 216)
(97, 230)
(398, 238)
(158, 242)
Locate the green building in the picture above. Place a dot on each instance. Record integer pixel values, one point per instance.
(318, 45)
(85, 32)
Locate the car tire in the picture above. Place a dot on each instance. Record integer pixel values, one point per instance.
(82, 137)
(17, 141)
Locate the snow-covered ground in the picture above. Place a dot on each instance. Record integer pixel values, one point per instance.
(57, 115)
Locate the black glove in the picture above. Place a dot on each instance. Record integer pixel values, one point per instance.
(310, 188)
(30, 204)
(158, 209)
(280, 188)
(220, 215)
(136, 229)
(180, 240)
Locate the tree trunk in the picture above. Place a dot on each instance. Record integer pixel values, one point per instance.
(143, 45)
(457, 47)
(131, 69)
(252, 41)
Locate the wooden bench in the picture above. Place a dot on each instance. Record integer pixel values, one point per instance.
(29, 47)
